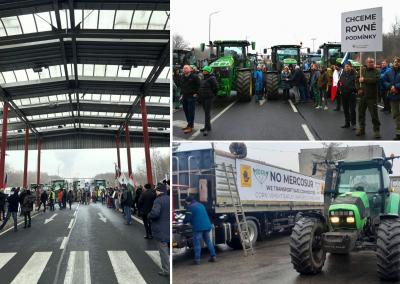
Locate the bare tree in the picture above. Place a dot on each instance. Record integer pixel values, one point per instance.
(179, 42)
(396, 27)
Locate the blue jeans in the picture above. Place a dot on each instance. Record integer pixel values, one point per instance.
(127, 211)
(303, 93)
(14, 215)
(197, 237)
(189, 107)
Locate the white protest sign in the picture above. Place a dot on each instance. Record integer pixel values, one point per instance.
(362, 30)
(257, 182)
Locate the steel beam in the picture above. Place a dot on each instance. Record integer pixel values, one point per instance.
(39, 149)
(146, 141)
(118, 154)
(3, 144)
(26, 148)
(128, 149)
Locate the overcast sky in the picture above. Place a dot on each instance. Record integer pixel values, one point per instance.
(271, 22)
(78, 163)
(285, 154)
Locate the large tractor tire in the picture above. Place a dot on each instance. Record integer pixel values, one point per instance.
(388, 249)
(306, 250)
(273, 82)
(244, 86)
(235, 243)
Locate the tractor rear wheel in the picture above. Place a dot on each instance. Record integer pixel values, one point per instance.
(244, 86)
(272, 82)
(306, 250)
(236, 243)
(388, 249)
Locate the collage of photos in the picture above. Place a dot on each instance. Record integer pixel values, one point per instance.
(199, 142)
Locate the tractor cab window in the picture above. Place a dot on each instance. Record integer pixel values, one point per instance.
(333, 54)
(235, 51)
(284, 53)
(359, 179)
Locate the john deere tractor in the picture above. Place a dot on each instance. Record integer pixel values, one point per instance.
(233, 68)
(361, 213)
(331, 54)
(183, 57)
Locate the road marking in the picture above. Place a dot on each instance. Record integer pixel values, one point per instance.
(2, 233)
(50, 219)
(137, 219)
(102, 218)
(33, 269)
(78, 268)
(155, 256)
(76, 213)
(5, 257)
(71, 223)
(64, 243)
(293, 106)
(182, 123)
(381, 106)
(125, 270)
(308, 132)
(197, 133)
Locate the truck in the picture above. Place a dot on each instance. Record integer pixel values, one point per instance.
(271, 196)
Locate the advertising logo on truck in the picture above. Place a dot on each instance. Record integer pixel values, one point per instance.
(245, 175)
(260, 174)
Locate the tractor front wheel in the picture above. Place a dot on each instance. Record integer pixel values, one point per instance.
(273, 82)
(244, 86)
(306, 250)
(388, 249)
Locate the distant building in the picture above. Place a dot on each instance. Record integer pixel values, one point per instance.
(307, 156)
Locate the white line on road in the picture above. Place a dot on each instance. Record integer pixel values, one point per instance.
(76, 213)
(71, 223)
(33, 269)
(308, 132)
(70, 268)
(214, 119)
(124, 268)
(2, 233)
(81, 268)
(137, 219)
(50, 219)
(64, 243)
(102, 218)
(155, 256)
(293, 106)
(381, 106)
(5, 257)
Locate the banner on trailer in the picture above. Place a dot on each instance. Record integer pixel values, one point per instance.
(258, 182)
(362, 30)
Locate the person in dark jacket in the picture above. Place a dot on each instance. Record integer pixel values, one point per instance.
(43, 200)
(64, 198)
(21, 199)
(314, 91)
(197, 216)
(322, 85)
(70, 198)
(3, 198)
(347, 89)
(27, 208)
(383, 92)
(139, 191)
(285, 83)
(392, 84)
(12, 200)
(127, 201)
(145, 204)
(189, 84)
(160, 217)
(208, 90)
(369, 83)
(297, 82)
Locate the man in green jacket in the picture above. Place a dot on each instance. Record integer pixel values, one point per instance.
(369, 83)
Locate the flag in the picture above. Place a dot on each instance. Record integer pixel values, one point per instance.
(131, 182)
(345, 58)
(117, 171)
(333, 93)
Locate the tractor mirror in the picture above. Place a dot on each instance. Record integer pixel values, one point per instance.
(314, 169)
(308, 50)
(388, 166)
(319, 51)
(202, 47)
(265, 51)
(253, 45)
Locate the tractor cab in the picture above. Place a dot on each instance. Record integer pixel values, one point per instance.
(236, 49)
(285, 55)
(330, 53)
(183, 57)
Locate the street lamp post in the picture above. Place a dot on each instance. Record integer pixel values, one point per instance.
(313, 41)
(209, 24)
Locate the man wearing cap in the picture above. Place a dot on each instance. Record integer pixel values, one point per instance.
(208, 90)
(160, 216)
(392, 84)
(197, 216)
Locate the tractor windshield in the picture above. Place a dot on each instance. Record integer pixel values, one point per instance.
(359, 179)
(284, 53)
(235, 51)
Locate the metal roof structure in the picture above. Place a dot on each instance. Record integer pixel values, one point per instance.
(74, 71)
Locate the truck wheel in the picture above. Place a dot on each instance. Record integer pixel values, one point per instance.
(306, 251)
(272, 81)
(235, 243)
(244, 86)
(388, 249)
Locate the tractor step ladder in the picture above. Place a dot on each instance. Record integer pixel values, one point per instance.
(243, 227)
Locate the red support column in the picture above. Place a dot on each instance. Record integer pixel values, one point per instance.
(39, 149)
(118, 155)
(25, 181)
(3, 143)
(128, 149)
(146, 141)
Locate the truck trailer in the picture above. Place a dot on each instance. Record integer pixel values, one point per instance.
(271, 196)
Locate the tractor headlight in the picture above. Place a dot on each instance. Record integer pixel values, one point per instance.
(350, 219)
(335, 220)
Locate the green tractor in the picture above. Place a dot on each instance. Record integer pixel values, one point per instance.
(233, 68)
(332, 54)
(361, 213)
(183, 57)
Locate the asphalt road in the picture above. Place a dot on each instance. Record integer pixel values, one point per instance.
(275, 120)
(89, 244)
(271, 264)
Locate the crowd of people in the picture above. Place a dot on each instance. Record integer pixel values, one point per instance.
(342, 84)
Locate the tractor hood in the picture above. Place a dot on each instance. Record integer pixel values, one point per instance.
(288, 61)
(224, 61)
(350, 204)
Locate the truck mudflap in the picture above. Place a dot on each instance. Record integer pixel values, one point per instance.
(339, 242)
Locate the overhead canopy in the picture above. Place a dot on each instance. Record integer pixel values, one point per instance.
(77, 70)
